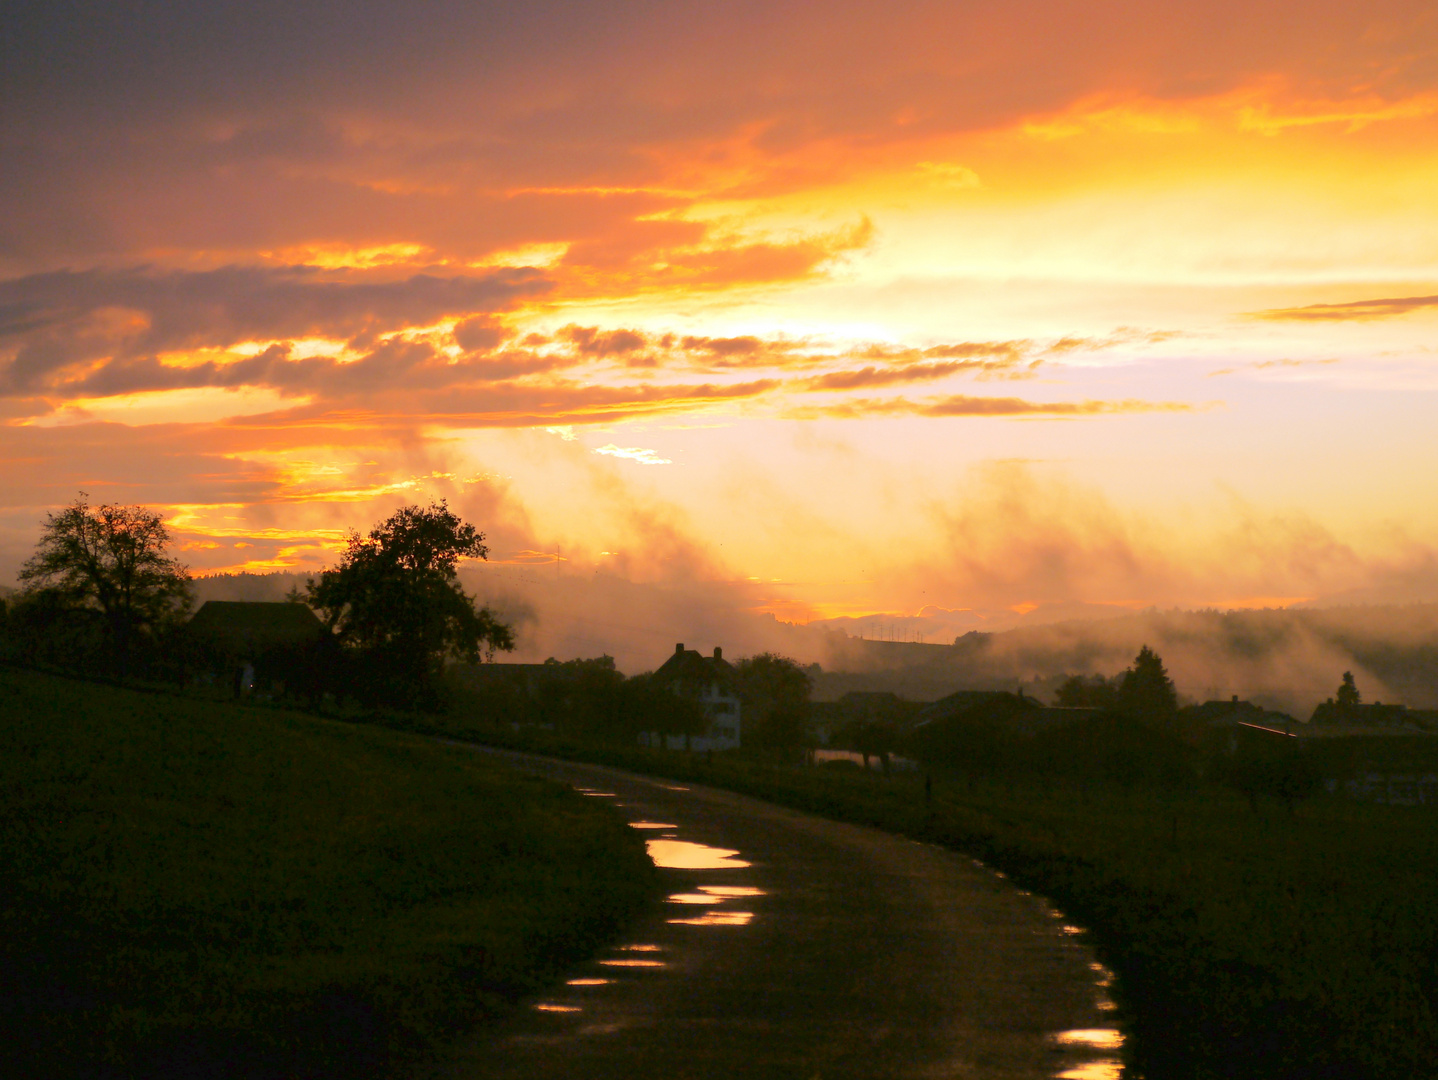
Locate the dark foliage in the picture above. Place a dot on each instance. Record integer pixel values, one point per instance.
(1145, 688)
(1094, 692)
(648, 705)
(1347, 695)
(872, 738)
(107, 559)
(775, 694)
(395, 599)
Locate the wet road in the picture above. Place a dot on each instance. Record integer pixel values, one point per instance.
(801, 948)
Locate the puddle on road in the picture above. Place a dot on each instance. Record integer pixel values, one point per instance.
(651, 825)
(686, 855)
(717, 918)
(1105, 1068)
(1103, 1038)
(633, 963)
(549, 1006)
(715, 894)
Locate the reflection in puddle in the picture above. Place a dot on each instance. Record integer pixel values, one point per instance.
(1098, 1039)
(717, 918)
(1103, 1038)
(731, 890)
(549, 1006)
(685, 855)
(599, 794)
(651, 825)
(1071, 931)
(641, 948)
(695, 898)
(588, 982)
(600, 1029)
(633, 963)
(1104, 1069)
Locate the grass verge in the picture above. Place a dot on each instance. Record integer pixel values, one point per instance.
(198, 889)
(1262, 945)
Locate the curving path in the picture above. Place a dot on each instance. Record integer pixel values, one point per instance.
(799, 948)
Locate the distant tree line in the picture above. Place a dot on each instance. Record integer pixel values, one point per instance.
(102, 595)
(591, 699)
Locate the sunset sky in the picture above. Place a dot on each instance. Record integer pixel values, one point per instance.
(852, 308)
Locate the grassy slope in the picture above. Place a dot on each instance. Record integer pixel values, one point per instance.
(1248, 945)
(189, 888)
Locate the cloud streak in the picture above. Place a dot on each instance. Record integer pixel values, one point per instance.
(51, 321)
(1354, 310)
(965, 405)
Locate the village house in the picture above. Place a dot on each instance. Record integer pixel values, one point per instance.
(711, 682)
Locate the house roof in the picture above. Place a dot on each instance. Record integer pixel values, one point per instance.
(691, 667)
(962, 701)
(249, 625)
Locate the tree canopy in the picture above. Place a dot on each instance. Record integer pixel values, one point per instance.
(775, 692)
(395, 597)
(113, 559)
(1348, 695)
(1146, 689)
(1094, 692)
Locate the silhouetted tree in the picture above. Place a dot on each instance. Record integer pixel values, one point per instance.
(775, 695)
(585, 699)
(1348, 695)
(647, 705)
(873, 739)
(1094, 692)
(111, 559)
(395, 598)
(1145, 688)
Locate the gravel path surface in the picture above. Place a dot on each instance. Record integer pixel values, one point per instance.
(802, 948)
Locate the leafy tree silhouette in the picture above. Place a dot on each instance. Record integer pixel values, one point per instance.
(395, 598)
(775, 692)
(111, 558)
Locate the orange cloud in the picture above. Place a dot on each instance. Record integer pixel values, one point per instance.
(1356, 310)
(963, 405)
(863, 378)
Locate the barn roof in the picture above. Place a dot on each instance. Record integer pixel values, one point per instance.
(251, 625)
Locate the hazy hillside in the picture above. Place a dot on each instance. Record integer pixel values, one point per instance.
(1288, 659)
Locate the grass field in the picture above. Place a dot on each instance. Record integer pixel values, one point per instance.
(1266, 945)
(199, 889)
